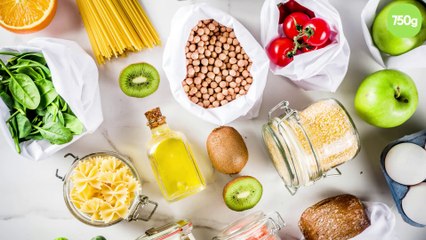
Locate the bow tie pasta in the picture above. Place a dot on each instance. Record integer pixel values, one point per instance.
(103, 187)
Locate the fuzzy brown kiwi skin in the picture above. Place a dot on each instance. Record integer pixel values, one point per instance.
(227, 150)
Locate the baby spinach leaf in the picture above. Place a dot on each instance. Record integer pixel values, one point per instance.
(60, 118)
(9, 53)
(73, 124)
(41, 112)
(13, 129)
(55, 133)
(7, 99)
(51, 113)
(30, 63)
(41, 72)
(23, 125)
(24, 90)
(35, 56)
(47, 92)
(30, 72)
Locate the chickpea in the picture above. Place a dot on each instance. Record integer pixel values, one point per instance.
(217, 66)
(194, 99)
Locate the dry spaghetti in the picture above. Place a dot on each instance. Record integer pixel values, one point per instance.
(116, 27)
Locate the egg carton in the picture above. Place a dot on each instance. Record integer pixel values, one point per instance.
(399, 190)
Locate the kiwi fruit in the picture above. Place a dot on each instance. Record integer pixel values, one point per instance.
(242, 193)
(139, 80)
(227, 150)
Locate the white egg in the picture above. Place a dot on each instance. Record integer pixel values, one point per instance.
(405, 163)
(414, 205)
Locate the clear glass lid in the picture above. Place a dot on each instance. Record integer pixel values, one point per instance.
(179, 230)
(252, 225)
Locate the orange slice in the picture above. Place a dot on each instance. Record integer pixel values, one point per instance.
(26, 16)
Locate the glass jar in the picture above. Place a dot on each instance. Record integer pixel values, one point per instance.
(135, 210)
(181, 230)
(305, 145)
(256, 226)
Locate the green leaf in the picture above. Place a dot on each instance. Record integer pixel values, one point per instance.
(60, 118)
(24, 90)
(35, 136)
(41, 72)
(23, 125)
(9, 53)
(13, 129)
(61, 238)
(7, 99)
(30, 72)
(30, 63)
(73, 124)
(55, 133)
(35, 56)
(47, 92)
(41, 112)
(51, 113)
(98, 238)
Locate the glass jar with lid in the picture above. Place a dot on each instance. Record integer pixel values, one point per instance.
(256, 226)
(180, 230)
(305, 145)
(104, 188)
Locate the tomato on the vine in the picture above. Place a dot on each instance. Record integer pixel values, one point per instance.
(293, 24)
(281, 51)
(316, 32)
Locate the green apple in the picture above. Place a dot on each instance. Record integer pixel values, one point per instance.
(386, 40)
(386, 98)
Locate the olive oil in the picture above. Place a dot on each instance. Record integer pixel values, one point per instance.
(171, 158)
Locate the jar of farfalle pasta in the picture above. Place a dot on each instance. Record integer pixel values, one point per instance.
(103, 188)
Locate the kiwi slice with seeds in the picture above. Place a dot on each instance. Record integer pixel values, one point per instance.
(139, 80)
(242, 193)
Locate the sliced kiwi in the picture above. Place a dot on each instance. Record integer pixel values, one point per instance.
(242, 193)
(139, 80)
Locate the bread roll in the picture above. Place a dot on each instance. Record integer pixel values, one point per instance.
(336, 218)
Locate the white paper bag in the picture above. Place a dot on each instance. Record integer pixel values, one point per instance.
(174, 64)
(322, 69)
(415, 58)
(75, 77)
(382, 222)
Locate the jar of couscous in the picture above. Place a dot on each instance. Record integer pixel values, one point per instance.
(304, 145)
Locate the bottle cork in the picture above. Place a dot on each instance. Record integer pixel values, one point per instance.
(155, 118)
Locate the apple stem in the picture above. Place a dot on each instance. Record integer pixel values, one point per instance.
(398, 93)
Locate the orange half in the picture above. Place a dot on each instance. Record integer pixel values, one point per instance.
(26, 16)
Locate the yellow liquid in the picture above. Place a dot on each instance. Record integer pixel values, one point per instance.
(175, 169)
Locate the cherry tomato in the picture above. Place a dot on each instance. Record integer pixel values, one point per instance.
(290, 7)
(317, 32)
(293, 24)
(280, 51)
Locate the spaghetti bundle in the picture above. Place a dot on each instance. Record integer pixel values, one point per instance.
(116, 27)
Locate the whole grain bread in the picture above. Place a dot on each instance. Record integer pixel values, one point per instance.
(336, 218)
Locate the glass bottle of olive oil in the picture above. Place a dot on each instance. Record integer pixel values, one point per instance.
(171, 160)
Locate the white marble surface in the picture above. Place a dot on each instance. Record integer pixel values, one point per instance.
(32, 205)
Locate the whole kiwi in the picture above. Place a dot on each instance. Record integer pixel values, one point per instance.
(227, 150)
